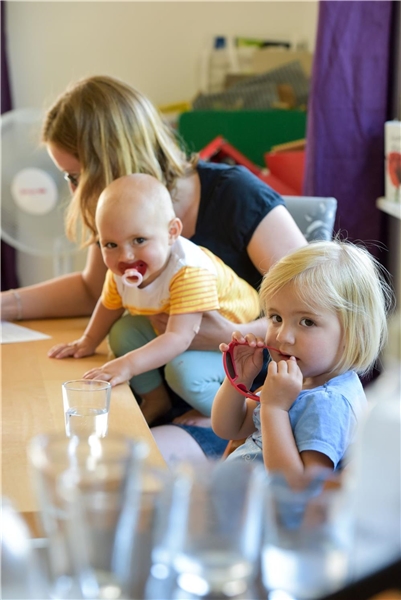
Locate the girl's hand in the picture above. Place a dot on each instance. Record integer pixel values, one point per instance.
(282, 385)
(84, 346)
(248, 356)
(116, 371)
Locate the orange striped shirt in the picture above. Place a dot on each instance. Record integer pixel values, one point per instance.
(195, 280)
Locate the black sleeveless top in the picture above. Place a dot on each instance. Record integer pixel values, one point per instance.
(233, 203)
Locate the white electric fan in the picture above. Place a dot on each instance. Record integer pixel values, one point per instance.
(34, 194)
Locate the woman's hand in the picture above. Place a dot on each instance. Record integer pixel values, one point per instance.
(84, 346)
(159, 322)
(213, 329)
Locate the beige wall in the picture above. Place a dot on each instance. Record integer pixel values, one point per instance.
(155, 46)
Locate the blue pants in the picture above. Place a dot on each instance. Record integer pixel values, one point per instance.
(195, 376)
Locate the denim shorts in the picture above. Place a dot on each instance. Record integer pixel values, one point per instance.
(211, 444)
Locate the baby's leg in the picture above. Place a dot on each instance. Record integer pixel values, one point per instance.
(155, 403)
(130, 333)
(196, 377)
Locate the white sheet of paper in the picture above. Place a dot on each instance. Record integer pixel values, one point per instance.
(11, 333)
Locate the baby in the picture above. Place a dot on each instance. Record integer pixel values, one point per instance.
(153, 270)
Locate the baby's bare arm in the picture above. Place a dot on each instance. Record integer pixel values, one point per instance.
(98, 327)
(176, 339)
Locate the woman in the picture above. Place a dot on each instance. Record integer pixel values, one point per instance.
(101, 129)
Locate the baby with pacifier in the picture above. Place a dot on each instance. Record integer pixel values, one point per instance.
(152, 269)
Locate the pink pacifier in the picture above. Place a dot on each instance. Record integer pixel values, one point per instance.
(133, 277)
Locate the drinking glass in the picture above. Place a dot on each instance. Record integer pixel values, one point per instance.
(112, 534)
(210, 536)
(94, 470)
(22, 574)
(86, 407)
(307, 536)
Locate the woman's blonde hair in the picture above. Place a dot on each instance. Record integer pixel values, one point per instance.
(113, 130)
(345, 278)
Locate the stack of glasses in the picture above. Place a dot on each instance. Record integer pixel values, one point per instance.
(118, 529)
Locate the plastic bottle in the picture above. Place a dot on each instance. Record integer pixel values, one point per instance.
(216, 63)
(374, 477)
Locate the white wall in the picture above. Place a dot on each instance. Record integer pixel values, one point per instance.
(155, 46)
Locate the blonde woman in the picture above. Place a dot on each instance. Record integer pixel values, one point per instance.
(100, 129)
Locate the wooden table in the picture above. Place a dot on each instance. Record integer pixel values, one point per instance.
(32, 404)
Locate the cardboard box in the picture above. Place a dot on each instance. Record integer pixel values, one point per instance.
(267, 59)
(392, 165)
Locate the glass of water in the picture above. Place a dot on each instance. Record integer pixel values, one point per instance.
(307, 536)
(86, 407)
(210, 537)
(81, 485)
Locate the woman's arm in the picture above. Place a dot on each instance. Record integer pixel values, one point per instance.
(214, 329)
(71, 295)
(275, 236)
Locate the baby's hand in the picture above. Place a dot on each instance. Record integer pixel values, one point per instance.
(283, 384)
(78, 349)
(116, 371)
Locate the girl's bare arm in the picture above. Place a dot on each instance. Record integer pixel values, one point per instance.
(231, 416)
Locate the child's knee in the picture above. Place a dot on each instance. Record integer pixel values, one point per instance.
(178, 378)
(199, 392)
(129, 333)
(121, 342)
(117, 339)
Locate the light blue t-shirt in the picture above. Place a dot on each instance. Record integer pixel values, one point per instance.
(323, 419)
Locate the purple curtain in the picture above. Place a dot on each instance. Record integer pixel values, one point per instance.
(348, 107)
(8, 259)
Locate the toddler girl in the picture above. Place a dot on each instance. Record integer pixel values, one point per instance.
(326, 308)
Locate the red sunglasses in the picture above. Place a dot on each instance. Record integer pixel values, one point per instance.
(231, 372)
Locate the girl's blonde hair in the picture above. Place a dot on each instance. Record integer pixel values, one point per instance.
(113, 130)
(345, 278)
